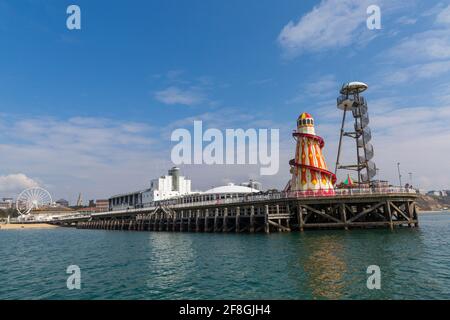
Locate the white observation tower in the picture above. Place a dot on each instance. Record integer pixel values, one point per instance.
(351, 100)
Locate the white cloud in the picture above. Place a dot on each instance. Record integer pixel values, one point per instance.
(418, 138)
(175, 95)
(424, 55)
(16, 183)
(406, 20)
(322, 86)
(331, 24)
(434, 10)
(81, 134)
(98, 158)
(443, 16)
(427, 45)
(325, 87)
(416, 72)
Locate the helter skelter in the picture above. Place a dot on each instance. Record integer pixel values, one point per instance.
(309, 170)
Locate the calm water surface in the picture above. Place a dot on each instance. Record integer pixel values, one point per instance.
(415, 263)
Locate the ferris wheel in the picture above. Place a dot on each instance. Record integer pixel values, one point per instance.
(33, 199)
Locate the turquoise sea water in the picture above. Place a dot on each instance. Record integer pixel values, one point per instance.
(415, 264)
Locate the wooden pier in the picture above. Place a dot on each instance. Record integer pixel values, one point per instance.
(274, 214)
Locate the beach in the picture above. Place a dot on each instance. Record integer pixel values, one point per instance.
(16, 226)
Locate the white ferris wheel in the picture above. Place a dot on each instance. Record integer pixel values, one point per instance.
(33, 199)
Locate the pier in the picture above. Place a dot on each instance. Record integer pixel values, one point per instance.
(277, 212)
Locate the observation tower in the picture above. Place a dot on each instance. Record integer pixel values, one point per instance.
(352, 101)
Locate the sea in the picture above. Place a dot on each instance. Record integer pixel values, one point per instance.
(328, 264)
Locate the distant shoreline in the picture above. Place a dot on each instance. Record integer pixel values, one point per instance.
(18, 226)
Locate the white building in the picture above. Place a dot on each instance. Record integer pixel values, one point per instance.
(437, 193)
(6, 203)
(217, 195)
(165, 187)
(230, 191)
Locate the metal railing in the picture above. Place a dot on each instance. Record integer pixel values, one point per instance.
(360, 100)
(300, 195)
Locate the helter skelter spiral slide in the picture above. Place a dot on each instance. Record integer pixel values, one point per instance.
(310, 175)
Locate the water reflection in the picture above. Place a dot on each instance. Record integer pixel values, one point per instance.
(324, 268)
(333, 264)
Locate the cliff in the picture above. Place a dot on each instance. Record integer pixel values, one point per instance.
(433, 203)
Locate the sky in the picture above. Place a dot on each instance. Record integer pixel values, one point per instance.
(92, 110)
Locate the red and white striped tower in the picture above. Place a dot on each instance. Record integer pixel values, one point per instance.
(309, 170)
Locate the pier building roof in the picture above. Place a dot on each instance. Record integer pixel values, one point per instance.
(231, 188)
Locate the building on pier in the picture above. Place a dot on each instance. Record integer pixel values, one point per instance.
(229, 191)
(165, 187)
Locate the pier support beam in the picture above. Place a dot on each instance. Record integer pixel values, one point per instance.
(300, 217)
(205, 228)
(389, 212)
(189, 221)
(252, 219)
(238, 217)
(343, 213)
(216, 220)
(197, 221)
(225, 220)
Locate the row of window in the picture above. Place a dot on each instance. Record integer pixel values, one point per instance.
(126, 199)
(304, 122)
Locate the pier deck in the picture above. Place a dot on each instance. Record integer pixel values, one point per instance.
(269, 213)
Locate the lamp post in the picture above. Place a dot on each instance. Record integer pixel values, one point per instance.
(399, 174)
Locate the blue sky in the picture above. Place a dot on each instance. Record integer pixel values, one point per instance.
(92, 110)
